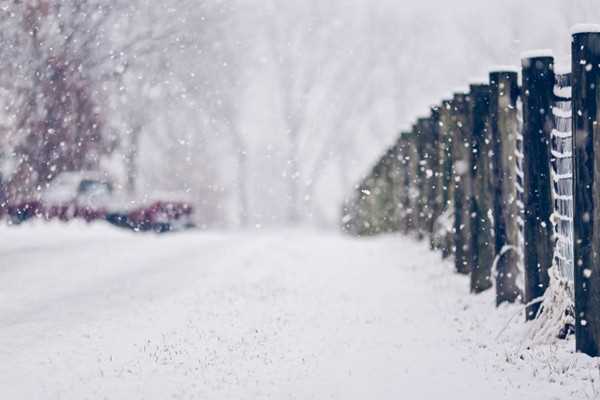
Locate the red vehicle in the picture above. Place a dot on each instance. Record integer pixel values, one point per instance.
(89, 196)
(158, 216)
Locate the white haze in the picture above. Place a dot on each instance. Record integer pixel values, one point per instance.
(268, 112)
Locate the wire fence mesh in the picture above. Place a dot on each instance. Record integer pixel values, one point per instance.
(519, 186)
(562, 177)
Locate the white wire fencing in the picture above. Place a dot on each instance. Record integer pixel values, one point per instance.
(562, 178)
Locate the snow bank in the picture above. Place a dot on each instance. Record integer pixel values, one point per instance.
(93, 312)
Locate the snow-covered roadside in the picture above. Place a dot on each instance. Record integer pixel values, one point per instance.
(93, 312)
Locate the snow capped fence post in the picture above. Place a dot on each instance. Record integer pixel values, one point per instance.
(482, 201)
(461, 180)
(504, 90)
(538, 123)
(586, 186)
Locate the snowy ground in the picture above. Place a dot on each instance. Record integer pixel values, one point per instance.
(93, 312)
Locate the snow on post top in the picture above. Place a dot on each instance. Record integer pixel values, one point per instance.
(479, 80)
(461, 90)
(537, 53)
(448, 96)
(562, 69)
(504, 68)
(585, 28)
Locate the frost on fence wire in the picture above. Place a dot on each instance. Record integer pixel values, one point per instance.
(520, 191)
(562, 178)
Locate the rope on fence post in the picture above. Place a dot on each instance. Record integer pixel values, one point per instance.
(461, 156)
(586, 186)
(538, 123)
(504, 90)
(482, 202)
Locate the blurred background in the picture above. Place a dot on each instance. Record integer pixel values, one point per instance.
(255, 113)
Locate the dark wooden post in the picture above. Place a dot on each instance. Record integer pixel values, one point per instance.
(461, 170)
(425, 175)
(409, 162)
(381, 206)
(385, 208)
(445, 187)
(397, 186)
(400, 189)
(432, 173)
(419, 179)
(415, 168)
(482, 202)
(389, 189)
(504, 90)
(370, 194)
(586, 186)
(538, 122)
(361, 223)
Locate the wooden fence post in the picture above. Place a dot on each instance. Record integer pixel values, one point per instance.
(398, 186)
(425, 175)
(371, 192)
(586, 186)
(360, 214)
(538, 122)
(504, 90)
(409, 164)
(387, 188)
(432, 173)
(482, 202)
(419, 181)
(399, 191)
(369, 197)
(461, 170)
(445, 187)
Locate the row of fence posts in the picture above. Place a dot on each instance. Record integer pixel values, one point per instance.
(474, 179)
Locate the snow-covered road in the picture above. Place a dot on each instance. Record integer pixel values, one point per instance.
(99, 313)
